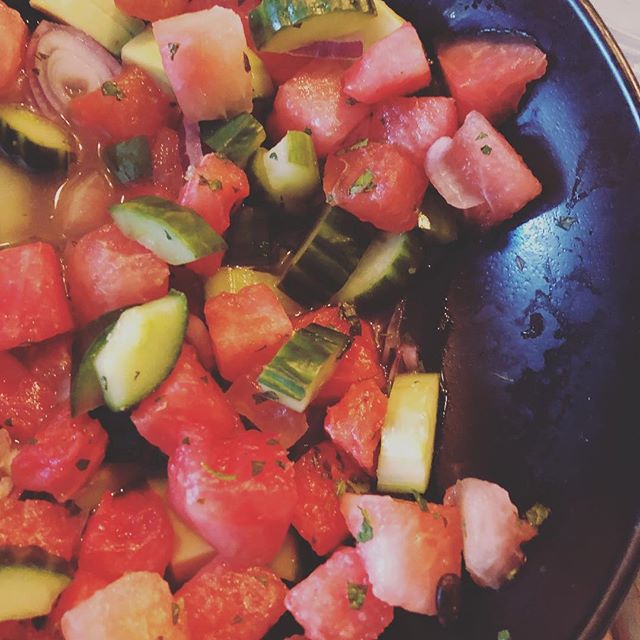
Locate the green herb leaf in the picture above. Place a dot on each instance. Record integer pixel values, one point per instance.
(363, 183)
(264, 396)
(8, 422)
(256, 467)
(111, 88)
(272, 441)
(273, 155)
(186, 440)
(538, 514)
(356, 594)
(281, 464)
(341, 488)
(308, 131)
(422, 503)
(504, 635)
(366, 530)
(214, 185)
(173, 49)
(482, 135)
(486, 150)
(218, 474)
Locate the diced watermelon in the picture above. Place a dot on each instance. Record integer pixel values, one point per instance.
(377, 183)
(283, 66)
(63, 456)
(188, 404)
(393, 66)
(424, 546)
(240, 347)
(139, 605)
(166, 161)
(152, 9)
(272, 418)
(34, 301)
(360, 362)
(479, 171)
(323, 474)
(336, 601)
(13, 35)
(24, 523)
(107, 271)
(203, 55)
(492, 532)
(24, 630)
(238, 494)
(490, 73)
(413, 124)
(49, 363)
(313, 100)
(354, 423)
(127, 532)
(198, 337)
(222, 602)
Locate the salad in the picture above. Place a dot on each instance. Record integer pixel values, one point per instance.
(212, 421)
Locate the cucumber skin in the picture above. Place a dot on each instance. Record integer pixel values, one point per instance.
(236, 139)
(272, 16)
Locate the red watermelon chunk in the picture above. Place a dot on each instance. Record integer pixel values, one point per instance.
(138, 605)
(241, 346)
(188, 404)
(323, 474)
(490, 74)
(106, 271)
(492, 532)
(25, 523)
(423, 546)
(413, 124)
(313, 100)
(479, 171)
(203, 55)
(354, 423)
(393, 66)
(336, 602)
(34, 302)
(223, 602)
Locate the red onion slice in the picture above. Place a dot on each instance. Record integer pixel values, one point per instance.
(64, 63)
(339, 49)
(192, 143)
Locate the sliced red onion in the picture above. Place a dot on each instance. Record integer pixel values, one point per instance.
(342, 49)
(192, 143)
(64, 63)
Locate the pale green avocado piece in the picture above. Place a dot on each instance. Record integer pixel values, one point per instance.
(144, 52)
(94, 19)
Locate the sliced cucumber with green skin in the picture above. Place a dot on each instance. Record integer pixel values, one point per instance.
(261, 83)
(141, 350)
(37, 143)
(237, 139)
(327, 258)
(302, 366)
(280, 25)
(288, 174)
(30, 582)
(176, 234)
(130, 160)
(86, 392)
(249, 238)
(408, 432)
(384, 270)
(385, 23)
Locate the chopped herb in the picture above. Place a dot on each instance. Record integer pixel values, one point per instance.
(504, 635)
(341, 488)
(366, 530)
(173, 49)
(168, 235)
(8, 422)
(520, 263)
(104, 382)
(308, 131)
(32, 441)
(537, 515)
(420, 499)
(363, 183)
(214, 185)
(272, 441)
(348, 313)
(237, 619)
(136, 375)
(281, 464)
(186, 440)
(351, 101)
(274, 156)
(566, 222)
(435, 514)
(175, 612)
(256, 467)
(356, 594)
(159, 399)
(36, 72)
(218, 474)
(264, 396)
(247, 64)
(486, 150)
(205, 378)
(512, 574)
(111, 88)
(82, 464)
(361, 144)
(482, 135)
(262, 579)
(42, 56)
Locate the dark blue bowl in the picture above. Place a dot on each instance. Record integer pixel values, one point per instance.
(548, 413)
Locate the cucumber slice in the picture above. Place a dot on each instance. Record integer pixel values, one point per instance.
(280, 25)
(288, 174)
(249, 238)
(385, 23)
(408, 432)
(176, 234)
(302, 365)
(86, 392)
(327, 257)
(233, 279)
(36, 142)
(438, 220)
(130, 160)
(384, 270)
(30, 582)
(141, 350)
(100, 19)
(143, 51)
(237, 139)
(261, 83)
